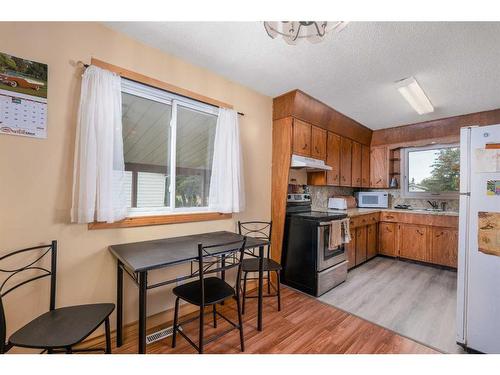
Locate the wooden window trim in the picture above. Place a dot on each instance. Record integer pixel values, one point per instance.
(137, 77)
(142, 221)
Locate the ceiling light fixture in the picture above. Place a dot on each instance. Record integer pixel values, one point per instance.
(414, 95)
(294, 31)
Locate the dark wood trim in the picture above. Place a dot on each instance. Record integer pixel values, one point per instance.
(302, 106)
(137, 77)
(281, 156)
(142, 221)
(445, 130)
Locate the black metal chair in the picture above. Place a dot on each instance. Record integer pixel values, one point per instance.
(259, 229)
(211, 290)
(57, 330)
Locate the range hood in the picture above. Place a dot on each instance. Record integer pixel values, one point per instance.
(302, 162)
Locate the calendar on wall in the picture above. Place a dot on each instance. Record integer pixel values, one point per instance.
(23, 97)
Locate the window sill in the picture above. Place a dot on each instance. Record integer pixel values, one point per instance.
(142, 221)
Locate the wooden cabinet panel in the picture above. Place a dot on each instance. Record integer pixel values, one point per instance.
(379, 167)
(301, 138)
(363, 220)
(333, 159)
(351, 249)
(371, 241)
(318, 143)
(447, 221)
(345, 161)
(365, 166)
(444, 246)
(361, 244)
(387, 239)
(413, 241)
(356, 165)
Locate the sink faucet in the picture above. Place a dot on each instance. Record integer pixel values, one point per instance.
(434, 204)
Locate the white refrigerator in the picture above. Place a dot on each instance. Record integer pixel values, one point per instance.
(478, 288)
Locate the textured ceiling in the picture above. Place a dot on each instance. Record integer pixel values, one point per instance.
(457, 64)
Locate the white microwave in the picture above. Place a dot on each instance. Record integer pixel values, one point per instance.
(372, 199)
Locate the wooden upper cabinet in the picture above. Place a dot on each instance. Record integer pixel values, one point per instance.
(365, 166)
(444, 246)
(356, 165)
(413, 241)
(301, 138)
(379, 167)
(387, 239)
(333, 159)
(318, 143)
(345, 161)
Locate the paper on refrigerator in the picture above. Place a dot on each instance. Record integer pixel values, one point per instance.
(487, 160)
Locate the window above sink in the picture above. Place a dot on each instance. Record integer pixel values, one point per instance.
(431, 172)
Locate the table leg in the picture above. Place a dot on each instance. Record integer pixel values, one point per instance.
(223, 272)
(261, 275)
(143, 283)
(119, 304)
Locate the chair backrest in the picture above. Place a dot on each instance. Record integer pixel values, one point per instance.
(220, 258)
(40, 272)
(257, 229)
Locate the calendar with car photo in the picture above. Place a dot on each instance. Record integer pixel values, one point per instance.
(23, 96)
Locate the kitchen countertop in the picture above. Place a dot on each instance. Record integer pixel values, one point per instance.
(351, 212)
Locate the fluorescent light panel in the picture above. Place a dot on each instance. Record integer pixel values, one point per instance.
(415, 96)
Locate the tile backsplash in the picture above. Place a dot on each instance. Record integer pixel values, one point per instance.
(395, 198)
(320, 195)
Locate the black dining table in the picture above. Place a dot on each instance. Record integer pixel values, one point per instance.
(138, 258)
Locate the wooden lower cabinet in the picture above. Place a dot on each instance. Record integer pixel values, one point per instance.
(413, 241)
(371, 241)
(444, 246)
(387, 239)
(361, 244)
(364, 240)
(425, 243)
(351, 249)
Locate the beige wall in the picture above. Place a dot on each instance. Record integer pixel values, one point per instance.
(36, 175)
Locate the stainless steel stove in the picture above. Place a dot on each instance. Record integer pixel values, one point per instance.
(308, 263)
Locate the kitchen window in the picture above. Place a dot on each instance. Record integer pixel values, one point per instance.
(168, 145)
(431, 171)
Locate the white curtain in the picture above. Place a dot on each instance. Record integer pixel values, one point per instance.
(99, 177)
(226, 183)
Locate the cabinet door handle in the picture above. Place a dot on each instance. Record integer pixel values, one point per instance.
(419, 232)
(439, 234)
(390, 217)
(305, 146)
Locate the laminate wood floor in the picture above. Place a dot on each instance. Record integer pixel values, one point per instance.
(305, 325)
(414, 300)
